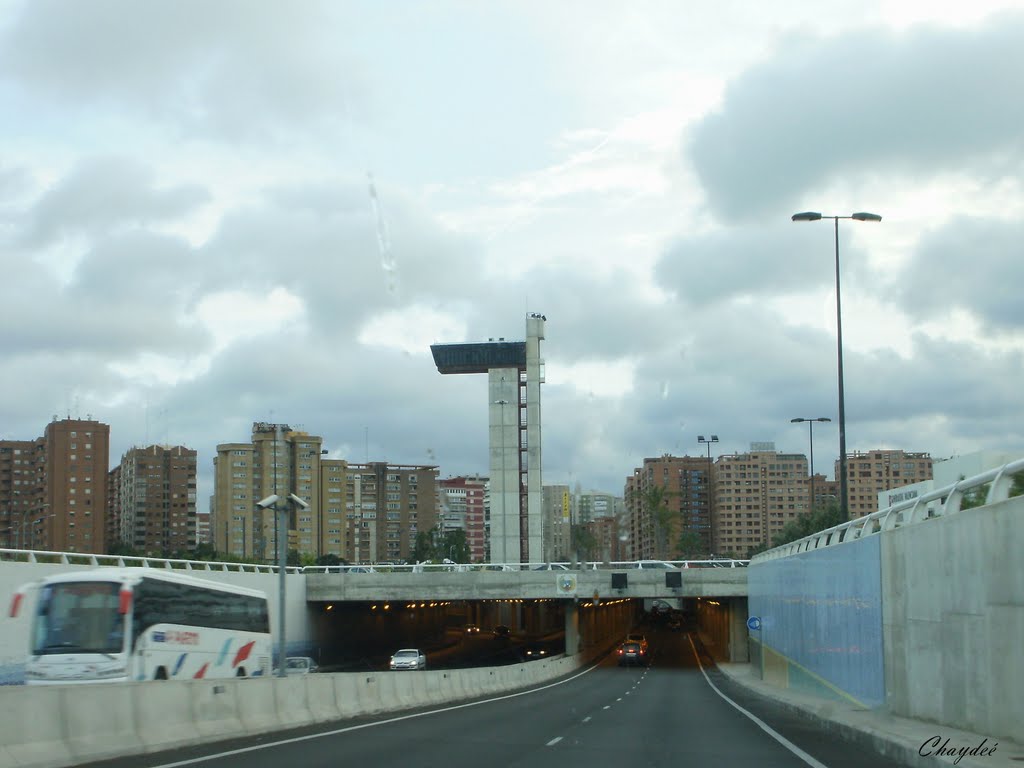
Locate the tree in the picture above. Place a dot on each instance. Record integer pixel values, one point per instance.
(330, 559)
(689, 545)
(653, 500)
(585, 541)
(423, 548)
(454, 545)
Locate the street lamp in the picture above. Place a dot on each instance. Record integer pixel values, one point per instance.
(281, 522)
(708, 442)
(862, 216)
(810, 432)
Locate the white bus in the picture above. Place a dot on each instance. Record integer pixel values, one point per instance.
(120, 624)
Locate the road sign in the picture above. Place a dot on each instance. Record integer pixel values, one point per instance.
(754, 623)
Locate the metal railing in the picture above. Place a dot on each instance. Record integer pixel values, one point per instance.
(122, 561)
(508, 567)
(929, 506)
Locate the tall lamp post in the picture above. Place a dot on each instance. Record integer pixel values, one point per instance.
(861, 216)
(810, 432)
(708, 442)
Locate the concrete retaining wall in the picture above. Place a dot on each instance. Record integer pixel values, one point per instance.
(55, 726)
(954, 619)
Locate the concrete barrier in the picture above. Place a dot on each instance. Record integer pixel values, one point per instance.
(346, 694)
(322, 697)
(96, 718)
(104, 721)
(164, 715)
(28, 735)
(257, 705)
(292, 702)
(215, 708)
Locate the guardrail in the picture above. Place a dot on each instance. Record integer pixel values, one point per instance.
(453, 567)
(121, 561)
(83, 558)
(934, 504)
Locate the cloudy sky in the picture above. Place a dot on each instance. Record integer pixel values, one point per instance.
(214, 213)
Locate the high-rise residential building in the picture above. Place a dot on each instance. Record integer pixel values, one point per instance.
(21, 484)
(203, 530)
(152, 500)
(665, 499)
(756, 494)
(53, 490)
(557, 523)
(279, 461)
(465, 500)
(386, 505)
(594, 505)
(872, 472)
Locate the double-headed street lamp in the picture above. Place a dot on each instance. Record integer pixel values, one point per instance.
(862, 216)
(711, 527)
(810, 432)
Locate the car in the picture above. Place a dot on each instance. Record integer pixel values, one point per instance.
(631, 653)
(300, 665)
(637, 637)
(408, 658)
(502, 631)
(534, 651)
(674, 624)
(471, 629)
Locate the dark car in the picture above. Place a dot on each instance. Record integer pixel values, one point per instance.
(632, 653)
(502, 631)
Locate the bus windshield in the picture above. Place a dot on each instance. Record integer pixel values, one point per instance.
(78, 617)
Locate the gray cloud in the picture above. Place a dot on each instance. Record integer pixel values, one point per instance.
(970, 264)
(230, 69)
(103, 193)
(922, 102)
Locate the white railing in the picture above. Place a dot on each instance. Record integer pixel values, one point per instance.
(121, 561)
(934, 504)
(453, 567)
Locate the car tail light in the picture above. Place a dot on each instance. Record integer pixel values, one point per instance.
(124, 603)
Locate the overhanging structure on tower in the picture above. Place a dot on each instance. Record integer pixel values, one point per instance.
(515, 372)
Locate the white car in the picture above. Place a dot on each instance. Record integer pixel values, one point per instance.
(300, 665)
(408, 658)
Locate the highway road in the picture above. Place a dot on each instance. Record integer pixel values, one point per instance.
(677, 711)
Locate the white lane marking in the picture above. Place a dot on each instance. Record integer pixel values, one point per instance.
(337, 731)
(757, 721)
(618, 699)
(553, 741)
(609, 706)
(585, 719)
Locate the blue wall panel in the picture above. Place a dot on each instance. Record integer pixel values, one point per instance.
(822, 610)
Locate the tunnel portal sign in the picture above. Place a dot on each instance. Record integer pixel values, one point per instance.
(754, 623)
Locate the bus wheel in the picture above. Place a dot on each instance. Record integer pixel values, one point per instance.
(241, 672)
(161, 673)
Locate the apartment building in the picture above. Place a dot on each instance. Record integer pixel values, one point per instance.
(870, 473)
(756, 494)
(278, 461)
(53, 490)
(386, 505)
(557, 517)
(152, 500)
(683, 484)
(465, 499)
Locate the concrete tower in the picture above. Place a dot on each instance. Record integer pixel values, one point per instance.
(515, 372)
